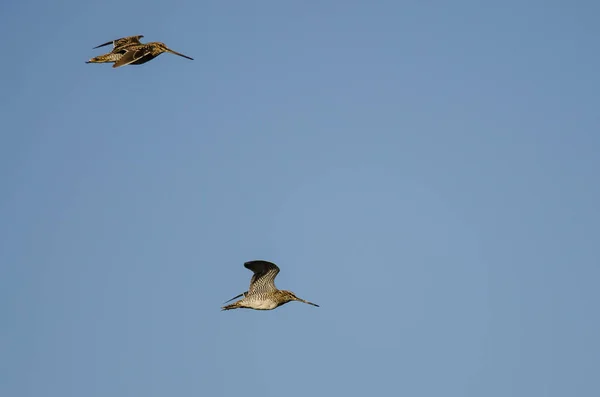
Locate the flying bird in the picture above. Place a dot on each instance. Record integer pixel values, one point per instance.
(262, 293)
(130, 51)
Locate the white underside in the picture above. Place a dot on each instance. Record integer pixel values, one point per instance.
(261, 305)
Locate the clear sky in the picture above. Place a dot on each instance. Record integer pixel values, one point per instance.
(427, 172)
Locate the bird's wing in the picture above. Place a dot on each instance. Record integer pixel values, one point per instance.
(132, 54)
(263, 279)
(240, 295)
(123, 41)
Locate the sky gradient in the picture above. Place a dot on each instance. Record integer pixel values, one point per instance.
(426, 173)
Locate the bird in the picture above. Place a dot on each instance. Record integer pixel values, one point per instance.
(262, 293)
(123, 41)
(131, 51)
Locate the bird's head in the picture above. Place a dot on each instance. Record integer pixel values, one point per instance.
(289, 296)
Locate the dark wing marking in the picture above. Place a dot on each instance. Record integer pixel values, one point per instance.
(102, 45)
(123, 41)
(127, 41)
(263, 279)
(240, 295)
(132, 55)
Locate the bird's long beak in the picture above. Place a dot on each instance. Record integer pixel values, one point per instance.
(307, 302)
(177, 53)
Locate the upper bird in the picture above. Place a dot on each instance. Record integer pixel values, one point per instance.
(130, 51)
(262, 293)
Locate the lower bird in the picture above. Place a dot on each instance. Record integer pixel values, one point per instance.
(262, 293)
(130, 51)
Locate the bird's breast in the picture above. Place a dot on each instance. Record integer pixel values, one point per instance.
(265, 304)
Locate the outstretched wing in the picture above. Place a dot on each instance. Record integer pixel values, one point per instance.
(239, 296)
(123, 41)
(263, 279)
(133, 54)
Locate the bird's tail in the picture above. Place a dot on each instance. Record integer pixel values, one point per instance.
(110, 57)
(234, 305)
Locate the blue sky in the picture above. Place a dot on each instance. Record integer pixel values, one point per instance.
(427, 173)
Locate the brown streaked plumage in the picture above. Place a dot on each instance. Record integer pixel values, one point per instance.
(123, 41)
(130, 51)
(262, 293)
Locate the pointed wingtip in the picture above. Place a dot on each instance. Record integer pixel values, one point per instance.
(235, 297)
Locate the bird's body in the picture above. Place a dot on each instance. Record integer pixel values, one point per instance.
(262, 293)
(130, 51)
